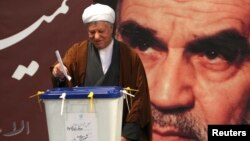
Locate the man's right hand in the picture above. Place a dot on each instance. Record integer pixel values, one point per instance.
(57, 72)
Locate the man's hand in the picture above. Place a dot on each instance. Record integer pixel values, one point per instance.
(57, 72)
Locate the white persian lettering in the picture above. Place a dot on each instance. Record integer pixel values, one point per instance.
(7, 42)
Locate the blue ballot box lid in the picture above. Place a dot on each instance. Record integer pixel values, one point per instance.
(83, 92)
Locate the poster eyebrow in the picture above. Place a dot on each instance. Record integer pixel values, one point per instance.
(140, 36)
(230, 43)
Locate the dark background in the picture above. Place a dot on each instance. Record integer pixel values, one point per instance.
(39, 46)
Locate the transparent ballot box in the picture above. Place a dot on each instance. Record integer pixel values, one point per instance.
(84, 113)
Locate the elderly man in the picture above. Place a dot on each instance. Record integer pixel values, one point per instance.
(196, 56)
(103, 61)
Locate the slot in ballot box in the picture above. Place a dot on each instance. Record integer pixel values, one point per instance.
(77, 117)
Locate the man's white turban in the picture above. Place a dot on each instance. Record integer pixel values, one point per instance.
(98, 12)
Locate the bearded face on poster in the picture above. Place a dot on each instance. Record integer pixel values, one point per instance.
(197, 59)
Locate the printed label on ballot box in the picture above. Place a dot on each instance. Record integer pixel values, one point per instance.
(81, 126)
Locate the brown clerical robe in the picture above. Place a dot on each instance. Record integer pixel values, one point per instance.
(132, 74)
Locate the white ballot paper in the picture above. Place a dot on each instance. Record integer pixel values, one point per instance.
(81, 127)
(59, 59)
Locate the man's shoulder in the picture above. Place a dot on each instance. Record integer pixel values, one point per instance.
(124, 47)
(80, 44)
(122, 44)
(127, 53)
(78, 47)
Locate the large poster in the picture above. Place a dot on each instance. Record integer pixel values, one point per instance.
(30, 32)
(197, 60)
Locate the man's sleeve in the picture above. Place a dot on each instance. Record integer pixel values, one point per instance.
(138, 121)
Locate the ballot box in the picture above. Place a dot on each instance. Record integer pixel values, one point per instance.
(84, 113)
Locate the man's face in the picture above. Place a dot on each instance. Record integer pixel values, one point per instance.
(100, 33)
(196, 57)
